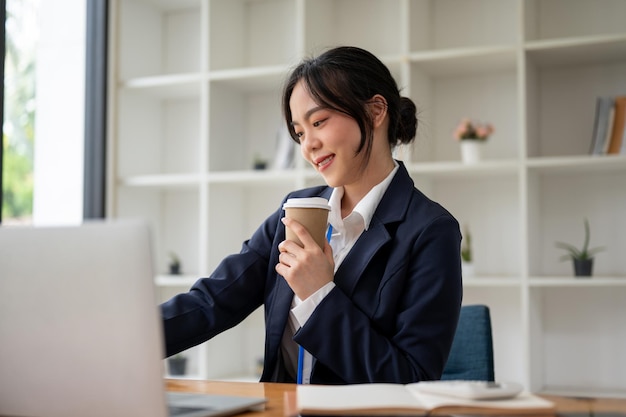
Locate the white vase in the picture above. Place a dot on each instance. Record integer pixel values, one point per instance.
(467, 269)
(471, 151)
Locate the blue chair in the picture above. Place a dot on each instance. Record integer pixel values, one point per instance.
(471, 356)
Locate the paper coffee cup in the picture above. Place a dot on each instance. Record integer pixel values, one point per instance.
(312, 213)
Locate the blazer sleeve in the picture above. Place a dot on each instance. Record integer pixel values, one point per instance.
(233, 291)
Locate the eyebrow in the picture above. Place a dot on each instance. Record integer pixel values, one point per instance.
(308, 114)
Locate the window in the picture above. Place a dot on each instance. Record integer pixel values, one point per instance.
(21, 37)
(44, 111)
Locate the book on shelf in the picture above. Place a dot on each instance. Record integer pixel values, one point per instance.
(618, 131)
(284, 156)
(399, 399)
(602, 124)
(609, 129)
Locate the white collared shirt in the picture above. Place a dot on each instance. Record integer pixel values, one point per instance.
(345, 233)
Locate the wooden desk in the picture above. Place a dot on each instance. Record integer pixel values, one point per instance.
(278, 396)
(275, 393)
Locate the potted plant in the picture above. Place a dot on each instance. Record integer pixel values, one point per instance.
(582, 258)
(177, 364)
(471, 135)
(259, 163)
(174, 264)
(467, 265)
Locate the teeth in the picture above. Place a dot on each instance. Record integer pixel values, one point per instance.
(325, 161)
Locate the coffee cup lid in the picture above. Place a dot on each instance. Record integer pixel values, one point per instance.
(309, 202)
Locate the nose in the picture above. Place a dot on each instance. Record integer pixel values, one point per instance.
(309, 142)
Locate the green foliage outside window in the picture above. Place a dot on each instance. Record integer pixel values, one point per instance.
(17, 183)
(19, 111)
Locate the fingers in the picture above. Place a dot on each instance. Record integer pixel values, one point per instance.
(305, 268)
(300, 231)
(289, 247)
(286, 258)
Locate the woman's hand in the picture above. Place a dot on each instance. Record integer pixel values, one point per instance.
(306, 269)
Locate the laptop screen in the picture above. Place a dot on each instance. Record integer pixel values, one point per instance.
(79, 322)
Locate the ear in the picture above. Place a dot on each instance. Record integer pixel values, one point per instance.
(378, 109)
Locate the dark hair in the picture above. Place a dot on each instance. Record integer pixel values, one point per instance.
(344, 79)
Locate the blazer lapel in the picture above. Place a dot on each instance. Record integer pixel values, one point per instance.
(352, 267)
(392, 208)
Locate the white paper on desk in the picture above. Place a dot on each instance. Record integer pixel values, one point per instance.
(347, 399)
(520, 401)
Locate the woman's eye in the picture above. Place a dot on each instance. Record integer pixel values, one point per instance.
(318, 122)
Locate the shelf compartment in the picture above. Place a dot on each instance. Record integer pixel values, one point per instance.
(496, 210)
(558, 202)
(167, 41)
(562, 104)
(577, 51)
(443, 101)
(445, 24)
(236, 212)
(236, 351)
(549, 19)
(572, 327)
(335, 22)
(240, 32)
(157, 136)
(172, 214)
(244, 125)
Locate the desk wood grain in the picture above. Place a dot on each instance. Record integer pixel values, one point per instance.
(281, 397)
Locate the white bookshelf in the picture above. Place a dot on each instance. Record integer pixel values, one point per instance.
(195, 94)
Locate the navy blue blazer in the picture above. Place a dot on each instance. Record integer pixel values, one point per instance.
(391, 317)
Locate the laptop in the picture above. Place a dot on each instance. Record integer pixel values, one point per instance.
(80, 332)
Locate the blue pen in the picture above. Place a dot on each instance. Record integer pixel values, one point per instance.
(329, 234)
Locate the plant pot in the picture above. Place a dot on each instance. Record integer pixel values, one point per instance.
(471, 151)
(177, 366)
(467, 269)
(583, 267)
(174, 269)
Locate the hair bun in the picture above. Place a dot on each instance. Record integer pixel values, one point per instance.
(407, 123)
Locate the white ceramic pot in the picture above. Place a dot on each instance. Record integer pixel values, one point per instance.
(467, 269)
(471, 151)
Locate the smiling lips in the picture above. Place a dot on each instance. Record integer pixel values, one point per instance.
(323, 162)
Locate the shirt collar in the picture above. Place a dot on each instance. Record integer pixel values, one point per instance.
(366, 207)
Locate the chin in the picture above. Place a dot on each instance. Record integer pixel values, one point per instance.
(330, 181)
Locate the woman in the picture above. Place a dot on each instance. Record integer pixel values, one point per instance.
(380, 302)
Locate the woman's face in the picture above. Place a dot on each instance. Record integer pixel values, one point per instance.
(328, 139)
